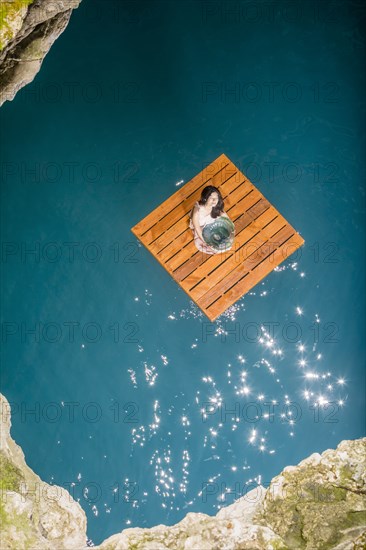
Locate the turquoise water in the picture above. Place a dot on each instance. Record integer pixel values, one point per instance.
(132, 388)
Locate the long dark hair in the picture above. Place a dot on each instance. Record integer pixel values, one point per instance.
(206, 192)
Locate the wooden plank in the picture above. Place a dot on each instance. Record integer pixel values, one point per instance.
(178, 212)
(252, 228)
(185, 253)
(235, 181)
(179, 242)
(169, 234)
(236, 263)
(214, 282)
(254, 277)
(234, 276)
(211, 172)
(196, 260)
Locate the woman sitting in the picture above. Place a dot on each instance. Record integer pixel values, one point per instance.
(206, 211)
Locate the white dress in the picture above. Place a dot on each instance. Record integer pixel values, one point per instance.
(203, 219)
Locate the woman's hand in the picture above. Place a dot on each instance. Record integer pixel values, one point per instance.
(208, 246)
(204, 242)
(196, 225)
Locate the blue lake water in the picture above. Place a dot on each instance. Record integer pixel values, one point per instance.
(142, 408)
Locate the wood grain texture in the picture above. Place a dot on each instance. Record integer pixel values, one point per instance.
(263, 239)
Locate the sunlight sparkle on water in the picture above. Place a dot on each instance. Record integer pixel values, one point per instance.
(213, 406)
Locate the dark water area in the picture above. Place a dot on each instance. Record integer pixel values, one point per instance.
(143, 409)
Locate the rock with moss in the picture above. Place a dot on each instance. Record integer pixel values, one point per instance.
(321, 503)
(28, 28)
(12, 15)
(232, 528)
(318, 504)
(33, 513)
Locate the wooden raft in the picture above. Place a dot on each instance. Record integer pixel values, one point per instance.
(263, 239)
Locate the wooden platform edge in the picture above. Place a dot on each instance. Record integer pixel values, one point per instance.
(213, 318)
(171, 275)
(222, 158)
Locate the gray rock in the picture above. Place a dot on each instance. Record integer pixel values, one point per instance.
(27, 34)
(34, 514)
(319, 504)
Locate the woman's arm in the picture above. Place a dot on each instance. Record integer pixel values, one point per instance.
(196, 224)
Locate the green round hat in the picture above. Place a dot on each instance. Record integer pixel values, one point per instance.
(219, 234)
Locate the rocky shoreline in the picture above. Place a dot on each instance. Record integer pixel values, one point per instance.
(318, 504)
(28, 30)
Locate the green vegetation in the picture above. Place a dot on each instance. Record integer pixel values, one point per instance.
(11, 476)
(10, 480)
(9, 13)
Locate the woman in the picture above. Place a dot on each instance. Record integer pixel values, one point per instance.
(205, 211)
